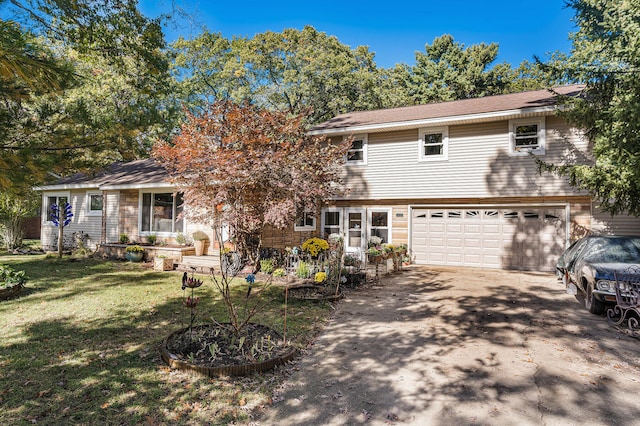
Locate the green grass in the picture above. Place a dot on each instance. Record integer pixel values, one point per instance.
(80, 346)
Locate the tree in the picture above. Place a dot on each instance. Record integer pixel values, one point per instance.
(605, 56)
(118, 102)
(448, 71)
(295, 70)
(14, 210)
(249, 167)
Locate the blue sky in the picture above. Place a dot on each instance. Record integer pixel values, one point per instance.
(393, 31)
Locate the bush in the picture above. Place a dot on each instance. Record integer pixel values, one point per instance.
(302, 271)
(151, 239)
(10, 277)
(266, 266)
(200, 236)
(124, 238)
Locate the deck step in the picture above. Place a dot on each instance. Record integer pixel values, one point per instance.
(200, 264)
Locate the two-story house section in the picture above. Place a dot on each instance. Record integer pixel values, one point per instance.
(458, 182)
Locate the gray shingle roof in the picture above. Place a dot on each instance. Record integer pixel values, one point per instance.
(136, 172)
(488, 104)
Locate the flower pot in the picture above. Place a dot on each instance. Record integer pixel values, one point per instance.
(199, 245)
(163, 264)
(134, 256)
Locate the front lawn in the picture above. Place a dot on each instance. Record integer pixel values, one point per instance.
(80, 346)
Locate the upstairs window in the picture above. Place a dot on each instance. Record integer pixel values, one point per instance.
(527, 136)
(357, 154)
(434, 144)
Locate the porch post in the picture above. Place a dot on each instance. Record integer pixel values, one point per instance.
(103, 234)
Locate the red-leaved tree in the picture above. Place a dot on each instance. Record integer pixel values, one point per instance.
(250, 167)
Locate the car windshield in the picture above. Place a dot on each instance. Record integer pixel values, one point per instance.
(615, 250)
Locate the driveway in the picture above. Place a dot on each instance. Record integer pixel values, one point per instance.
(462, 346)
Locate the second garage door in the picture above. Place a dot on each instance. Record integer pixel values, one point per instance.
(522, 238)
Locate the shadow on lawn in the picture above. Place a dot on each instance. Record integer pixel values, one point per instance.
(522, 347)
(105, 371)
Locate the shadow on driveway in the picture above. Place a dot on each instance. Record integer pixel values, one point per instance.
(464, 346)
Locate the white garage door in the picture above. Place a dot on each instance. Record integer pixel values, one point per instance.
(522, 238)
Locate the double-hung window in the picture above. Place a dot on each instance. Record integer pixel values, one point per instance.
(54, 199)
(434, 143)
(527, 136)
(161, 212)
(357, 154)
(380, 224)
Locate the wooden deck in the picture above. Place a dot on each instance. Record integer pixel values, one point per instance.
(200, 264)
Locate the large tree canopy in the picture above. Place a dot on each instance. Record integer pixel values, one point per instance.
(120, 100)
(295, 70)
(606, 56)
(259, 164)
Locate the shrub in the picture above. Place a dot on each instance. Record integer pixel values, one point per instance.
(151, 239)
(181, 239)
(266, 266)
(302, 271)
(10, 277)
(124, 238)
(200, 236)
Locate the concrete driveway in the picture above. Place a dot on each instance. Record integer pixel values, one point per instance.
(462, 346)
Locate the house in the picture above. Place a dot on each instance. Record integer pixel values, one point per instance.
(456, 181)
(133, 200)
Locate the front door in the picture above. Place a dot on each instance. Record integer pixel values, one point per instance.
(355, 232)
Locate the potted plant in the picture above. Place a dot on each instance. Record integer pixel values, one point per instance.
(134, 253)
(200, 239)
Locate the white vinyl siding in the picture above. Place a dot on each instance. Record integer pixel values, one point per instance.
(83, 221)
(478, 165)
(617, 225)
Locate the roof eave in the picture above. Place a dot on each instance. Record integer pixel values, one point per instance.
(439, 121)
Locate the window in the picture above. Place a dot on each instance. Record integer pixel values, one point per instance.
(332, 222)
(380, 225)
(160, 212)
(50, 200)
(94, 203)
(527, 136)
(305, 221)
(434, 143)
(357, 154)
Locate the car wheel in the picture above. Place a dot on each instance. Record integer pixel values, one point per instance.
(592, 304)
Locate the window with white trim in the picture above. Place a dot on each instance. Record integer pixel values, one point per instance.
(94, 203)
(160, 212)
(380, 224)
(331, 222)
(305, 221)
(527, 136)
(357, 154)
(434, 143)
(58, 199)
